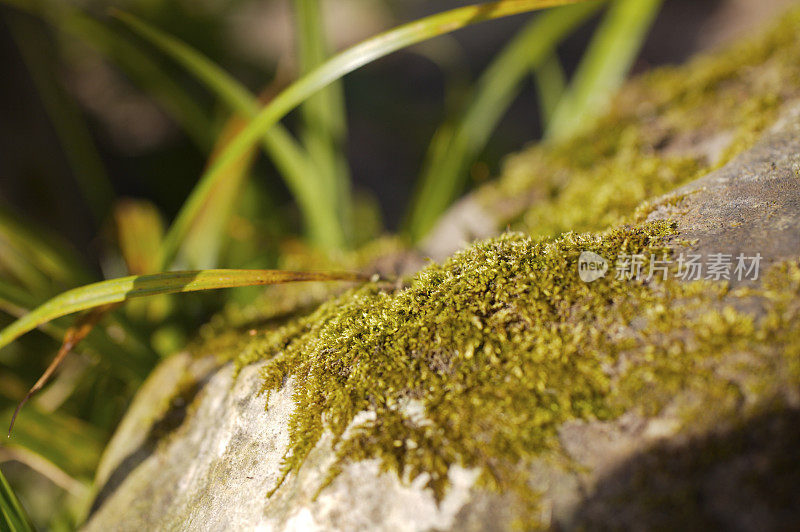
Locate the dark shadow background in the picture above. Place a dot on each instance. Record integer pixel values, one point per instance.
(743, 477)
(393, 105)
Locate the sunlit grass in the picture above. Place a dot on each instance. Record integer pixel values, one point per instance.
(604, 65)
(459, 142)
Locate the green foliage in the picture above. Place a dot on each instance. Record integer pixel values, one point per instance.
(324, 120)
(344, 63)
(119, 290)
(460, 141)
(14, 517)
(294, 165)
(70, 444)
(604, 66)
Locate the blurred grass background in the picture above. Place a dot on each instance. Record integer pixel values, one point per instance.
(103, 136)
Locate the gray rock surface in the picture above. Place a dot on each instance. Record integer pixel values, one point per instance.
(748, 207)
(214, 470)
(199, 451)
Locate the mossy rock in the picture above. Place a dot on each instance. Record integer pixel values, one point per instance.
(501, 389)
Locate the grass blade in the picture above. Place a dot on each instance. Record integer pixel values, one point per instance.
(324, 121)
(605, 65)
(83, 326)
(42, 264)
(130, 359)
(290, 159)
(14, 517)
(342, 64)
(119, 290)
(459, 143)
(551, 84)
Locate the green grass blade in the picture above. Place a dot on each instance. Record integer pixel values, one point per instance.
(127, 358)
(68, 122)
(448, 161)
(14, 517)
(119, 290)
(324, 120)
(231, 92)
(342, 64)
(290, 159)
(605, 65)
(551, 85)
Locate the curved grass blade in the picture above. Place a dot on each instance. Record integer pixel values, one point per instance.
(551, 84)
(292, 162)
(459, 143)
(334, 69)
(604, 65)
(83, 326)
(127, 358)
(119, 290)
(14, 517)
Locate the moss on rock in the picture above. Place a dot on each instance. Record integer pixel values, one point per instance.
(665, 129)
(479, 361)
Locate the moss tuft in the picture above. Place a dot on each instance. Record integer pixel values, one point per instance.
(479, 361)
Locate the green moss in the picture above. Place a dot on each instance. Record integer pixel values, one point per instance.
(497, 347)
(479, 361)
(228, 331)
(665, 129)
(507, 322)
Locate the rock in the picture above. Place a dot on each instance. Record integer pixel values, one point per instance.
(216, 463)
(214, 471)
(687, 415)
(664, 130)
(751, 207)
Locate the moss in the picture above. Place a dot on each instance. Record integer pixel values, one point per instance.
(480, 360)
(498, 347)
(507, 322)
(665, 129)
(229, 331)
